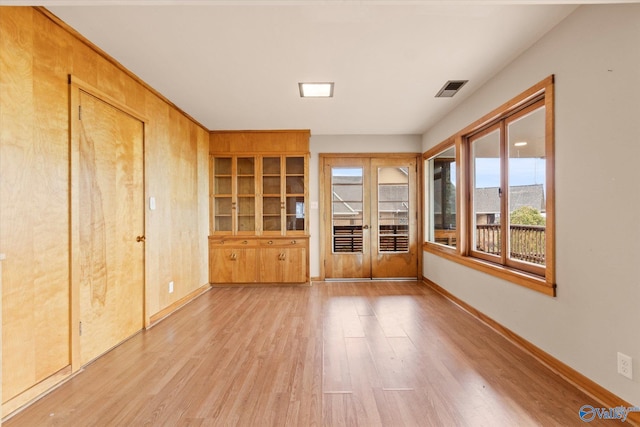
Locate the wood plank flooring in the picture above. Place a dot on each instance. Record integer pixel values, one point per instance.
(333, 354)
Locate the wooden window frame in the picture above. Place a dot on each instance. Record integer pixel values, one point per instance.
(426, 158)
(539, 279)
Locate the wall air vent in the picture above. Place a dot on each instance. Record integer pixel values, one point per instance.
(450, 88)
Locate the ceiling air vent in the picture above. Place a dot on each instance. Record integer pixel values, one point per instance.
(450, 88)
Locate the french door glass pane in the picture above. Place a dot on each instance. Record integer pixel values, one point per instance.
(393, 209)
(346, 211)
(527, 172)
(485, 152)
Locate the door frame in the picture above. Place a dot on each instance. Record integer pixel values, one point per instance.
(326, 210)
(75, 87)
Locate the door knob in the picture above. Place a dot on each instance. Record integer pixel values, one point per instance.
(140, 239)
(365, 227)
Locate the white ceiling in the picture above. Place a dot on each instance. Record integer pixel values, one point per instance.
(236, 65)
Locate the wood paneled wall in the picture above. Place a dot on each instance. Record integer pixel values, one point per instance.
(37, 54)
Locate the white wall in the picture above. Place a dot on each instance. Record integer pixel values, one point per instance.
(346, 144)
(595, 56)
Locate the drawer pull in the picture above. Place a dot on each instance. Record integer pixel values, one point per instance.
(234, 257)
(244, 242)
(293, 242)
(282, 257)
(270, 242)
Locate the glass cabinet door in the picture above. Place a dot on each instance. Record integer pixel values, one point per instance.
(222, 194)
(294, 193)
(271, 194)
(246, 193)
(233, 195)
(256, 195)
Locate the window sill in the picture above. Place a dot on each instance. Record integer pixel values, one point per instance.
(531, 281)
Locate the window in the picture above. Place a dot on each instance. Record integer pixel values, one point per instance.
(491, 206)
(441, 197)
(508, 164)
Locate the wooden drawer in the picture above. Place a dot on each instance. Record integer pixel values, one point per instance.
(289, 242)
(236, 243)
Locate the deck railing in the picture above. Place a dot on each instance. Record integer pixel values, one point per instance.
(347, 238)
(527, 242)
(392, 238)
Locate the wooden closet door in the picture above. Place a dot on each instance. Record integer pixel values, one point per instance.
(110, 225)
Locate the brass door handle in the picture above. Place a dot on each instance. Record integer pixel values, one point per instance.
(140, 239)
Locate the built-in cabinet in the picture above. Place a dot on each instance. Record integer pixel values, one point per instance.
(258, 260)
(259, 193)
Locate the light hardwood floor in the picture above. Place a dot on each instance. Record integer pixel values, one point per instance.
(334, 354)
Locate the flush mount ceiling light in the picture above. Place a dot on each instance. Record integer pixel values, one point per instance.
(520, 143)
(450, 88)
(316, 90)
